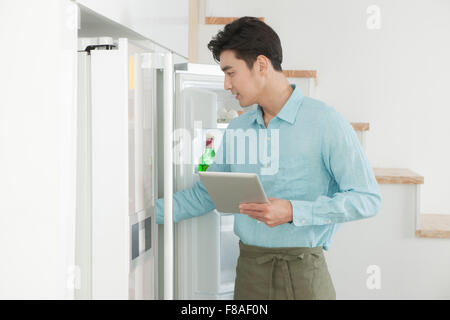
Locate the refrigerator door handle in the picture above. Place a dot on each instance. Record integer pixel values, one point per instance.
(168, 178)
(158, 60)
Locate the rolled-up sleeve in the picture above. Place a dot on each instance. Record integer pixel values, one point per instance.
(358, 196)
(188, 203)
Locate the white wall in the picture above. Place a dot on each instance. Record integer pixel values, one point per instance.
(396, 77)
(381, 258)
(37, 148)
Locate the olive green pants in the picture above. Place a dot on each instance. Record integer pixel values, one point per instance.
(299, 273)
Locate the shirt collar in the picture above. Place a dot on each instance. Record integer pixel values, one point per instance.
(288, 112)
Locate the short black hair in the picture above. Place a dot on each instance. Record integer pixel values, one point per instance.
(248, 37)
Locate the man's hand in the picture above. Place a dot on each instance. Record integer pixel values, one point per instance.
(274, 213)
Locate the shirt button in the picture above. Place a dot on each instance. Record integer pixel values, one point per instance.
(303, 221)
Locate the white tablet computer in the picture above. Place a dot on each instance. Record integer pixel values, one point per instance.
(228, 189)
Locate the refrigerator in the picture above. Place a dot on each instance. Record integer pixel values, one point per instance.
(141, 129)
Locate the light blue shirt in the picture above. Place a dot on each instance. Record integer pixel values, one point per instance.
(321, 169)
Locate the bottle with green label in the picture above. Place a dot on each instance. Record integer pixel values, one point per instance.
(208, 155)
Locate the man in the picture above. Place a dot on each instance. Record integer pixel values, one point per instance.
(322, 177)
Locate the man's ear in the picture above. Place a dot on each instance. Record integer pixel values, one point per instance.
(262, 63)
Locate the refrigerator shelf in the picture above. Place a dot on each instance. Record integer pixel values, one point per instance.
(222, 125)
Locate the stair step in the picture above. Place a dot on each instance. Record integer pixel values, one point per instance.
(434, 226)
(222, 20)
(310, 74)
(397, 176)
(300, 73)
(360, 126)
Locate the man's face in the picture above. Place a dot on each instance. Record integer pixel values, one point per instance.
(239, 79)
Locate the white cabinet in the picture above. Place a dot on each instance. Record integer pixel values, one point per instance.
(164, 22)
(37, 149)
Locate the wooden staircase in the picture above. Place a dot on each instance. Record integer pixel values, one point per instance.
(434, 226)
